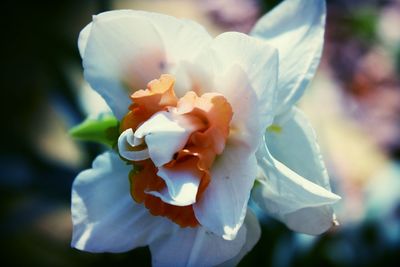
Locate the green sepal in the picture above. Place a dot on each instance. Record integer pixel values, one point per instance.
(257, 183)
(275, 128)
(104, 130)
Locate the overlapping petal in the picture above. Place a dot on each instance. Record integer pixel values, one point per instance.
(257, 60)
(199, 247)
(122, 54)
(253, 234)
(224, 203)
(223, 206)
(296, 28)
(182, 182)
(166, 133)
(123, 50)
(103, 213)
(294, 184)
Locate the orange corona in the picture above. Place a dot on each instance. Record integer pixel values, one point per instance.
(199, 153)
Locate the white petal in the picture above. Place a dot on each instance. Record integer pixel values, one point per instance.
(256, 58)
(296, 29)
(83, 38)
(105, 217)
(127, 141)
(284, 191)
(122, 54)
(182, 186)
(166, 133)
(253, 234)
(294, 181)
(123, 50)
(296, 146)
(223, 205)
(195, 247)
(312, 221)
(222, 208)
(246, 129)
(182, 38)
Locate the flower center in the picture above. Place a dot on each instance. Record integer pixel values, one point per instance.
(173, 143)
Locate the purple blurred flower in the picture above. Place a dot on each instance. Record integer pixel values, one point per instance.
(238, 15)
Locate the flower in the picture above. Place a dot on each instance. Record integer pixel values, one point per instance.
(193, 112)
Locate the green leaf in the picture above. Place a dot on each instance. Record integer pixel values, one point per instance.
(104, 130)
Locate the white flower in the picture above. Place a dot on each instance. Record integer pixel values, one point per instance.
(193, 114)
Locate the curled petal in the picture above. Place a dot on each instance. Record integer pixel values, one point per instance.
(294, 182)
(182, 182)
(296, 28)
(127, 142)
(284, 191)
(166, 133)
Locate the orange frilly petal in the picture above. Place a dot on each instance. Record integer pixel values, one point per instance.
(215, 111)
(200, 151)
(145, 180)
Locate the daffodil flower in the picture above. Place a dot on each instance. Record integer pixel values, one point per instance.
(193, 112)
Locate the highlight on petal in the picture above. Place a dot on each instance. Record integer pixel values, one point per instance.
(294, 185)
(105, 219)
(253, 234)
(296, 28)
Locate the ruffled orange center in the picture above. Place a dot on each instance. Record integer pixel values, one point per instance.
(212, 114)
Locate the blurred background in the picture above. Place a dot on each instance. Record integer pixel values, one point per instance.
(353, 103)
